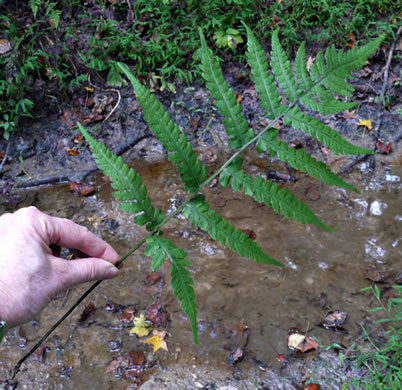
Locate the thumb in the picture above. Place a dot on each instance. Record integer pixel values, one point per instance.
(78, 271)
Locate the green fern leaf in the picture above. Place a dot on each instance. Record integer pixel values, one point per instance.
(153, 250)
(181, 281)
(264, 82)
(325, 134)
(191, 170)
(299, 160)
(128, 183)
(236, 126)
(282, 70)
(281, 200)
(323, 101)
(199, 213)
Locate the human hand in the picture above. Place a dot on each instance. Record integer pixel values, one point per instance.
(30, 275)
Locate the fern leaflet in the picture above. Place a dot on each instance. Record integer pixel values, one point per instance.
(299, 160)
(128, 183)
(325, 134)
(191, 171)
(280, 199)
(264, 82)
(236, 126)
(181, 281)
(199, 213)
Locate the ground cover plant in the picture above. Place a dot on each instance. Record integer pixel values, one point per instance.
(58, 43)
(312, 90)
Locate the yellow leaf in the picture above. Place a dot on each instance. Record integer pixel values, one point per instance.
(367, 123)
(157, 342)
(141, 327)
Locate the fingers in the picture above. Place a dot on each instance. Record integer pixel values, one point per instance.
(70, 273)
(68, 234)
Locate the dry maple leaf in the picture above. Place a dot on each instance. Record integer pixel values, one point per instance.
(300, 342)
(349, 114)
(141, 326)
(157, 342)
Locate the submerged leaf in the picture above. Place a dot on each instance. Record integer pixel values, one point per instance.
(141, 326)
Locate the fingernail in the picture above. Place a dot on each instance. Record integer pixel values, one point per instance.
(112, 272)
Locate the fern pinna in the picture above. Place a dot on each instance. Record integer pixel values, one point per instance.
(315, 89)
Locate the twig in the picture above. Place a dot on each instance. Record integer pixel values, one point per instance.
(380, 108)
(5, 156)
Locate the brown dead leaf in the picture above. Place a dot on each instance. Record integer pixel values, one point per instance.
(133, 361)
(236, 355)
(153, 277)
(352, 40)
(71, 152)
(127, 315)
(300, 342)
(250, 233)
(40, 353)
(349, 114)
(112, 306)
(5, 46)
(310, 62)
(86, 317)
(311, 193)
(78, 139)
(1, 156)
(312, 386)
(157, 315)
(208, 158)
(239, 99)
(382, 148)
(239, 328)
(82, 189)
(375, 275)
(281, 359)
(334, 319)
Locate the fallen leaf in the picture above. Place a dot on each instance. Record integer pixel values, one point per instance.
(132, 361)
(312, 386)
(112, 306)
(82, 189)
(352, 40)
(157, 342)
(239, 328)
(349, 114)
(127, 315)
(281, 359)
(310, 62)
(88, 89)
(375, 275)
(86, 317)
(157, 315)
(40, 353)
(5, 46)
(236, 355)
(239, 99)
(208, 158)
(78, 139)
(382, 148)
(142, 327)
(153, 277)
(366, 123)
(71, 152)
(300, 342)
(334, 319)
(250, 233)
(1, 156)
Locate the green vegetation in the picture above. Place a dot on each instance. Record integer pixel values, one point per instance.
(314, 89)
(56, 44)
(383, 362)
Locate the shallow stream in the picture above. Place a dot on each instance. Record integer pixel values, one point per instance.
(323, 271)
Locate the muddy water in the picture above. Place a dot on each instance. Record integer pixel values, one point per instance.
(228, 288)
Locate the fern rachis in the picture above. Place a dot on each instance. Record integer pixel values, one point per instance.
(314, 90)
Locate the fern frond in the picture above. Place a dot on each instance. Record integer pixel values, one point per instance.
(280, 199)
(34, 5)
(236, 126)
(191, 170)
(199, 214)
(299, 160)
(323, 101)
(325, 134)
(264, 82)
(128, 183)
(181, 281)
